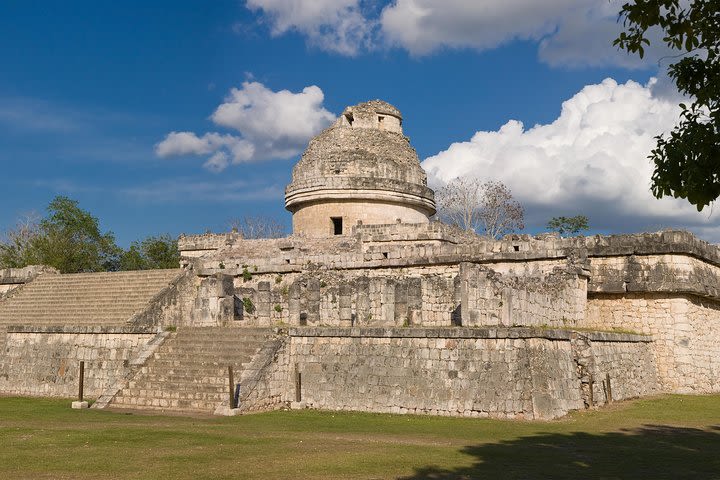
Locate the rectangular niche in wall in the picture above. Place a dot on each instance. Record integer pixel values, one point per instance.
(337, 225)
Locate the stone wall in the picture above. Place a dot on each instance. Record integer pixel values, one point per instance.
(487, 297)
(506, 373)
(630, 367)
(685, 330)
(45, 361)
(315, 220)
(327, 298)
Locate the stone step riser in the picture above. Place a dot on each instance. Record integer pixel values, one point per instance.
(158, 390)
(176, 406)
(221, 355)
(74, 296)
(65, 321)
(149, 395)
(112, 290)
(216, 349)
(68, 313)
(180, 379)
(199, 369)
(99, 285)
(74, 309)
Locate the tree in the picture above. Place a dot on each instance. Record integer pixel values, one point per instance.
(571, 225)
(151, 253)
(68, 239)
(459, 202)
(71, 241)
(258, 226)
(687, 162)
(474, 205)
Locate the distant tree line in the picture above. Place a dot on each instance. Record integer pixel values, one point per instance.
(69, 239)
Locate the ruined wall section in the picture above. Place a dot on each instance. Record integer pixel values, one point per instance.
(488, 298)
(685, 330)
(501, 373)
(673, 297)
(350, 298)
(44, 361)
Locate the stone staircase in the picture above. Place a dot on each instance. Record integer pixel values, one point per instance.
(189, 372)
(107, 298)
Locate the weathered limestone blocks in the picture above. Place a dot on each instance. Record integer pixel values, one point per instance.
(670, 273)
(489, 298)
(215, 301)
(685, 331)
(664, 284)
(500, 372)
(44, 361)
(173, 305)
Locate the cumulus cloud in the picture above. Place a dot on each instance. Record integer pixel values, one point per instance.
(591, 160)
(568, 32)
(272, 125)
(421, 26)
(333, 25)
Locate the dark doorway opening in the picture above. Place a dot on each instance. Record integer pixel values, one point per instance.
(337, 225)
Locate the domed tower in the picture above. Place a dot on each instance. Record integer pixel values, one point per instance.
(360, 169)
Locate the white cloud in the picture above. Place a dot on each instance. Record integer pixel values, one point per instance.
(569, 32)
(421, 26)
(272, 125)
(333, 25)
(591, 160)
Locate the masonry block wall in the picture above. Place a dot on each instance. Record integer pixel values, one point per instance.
(556, 299)
(45, 361)
(503, 373)
(685, 330)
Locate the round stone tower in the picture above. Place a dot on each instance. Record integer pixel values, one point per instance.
(360, 169)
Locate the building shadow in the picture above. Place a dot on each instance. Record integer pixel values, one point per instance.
(648, 452)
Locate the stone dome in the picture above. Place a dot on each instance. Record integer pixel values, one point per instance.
(361, 168)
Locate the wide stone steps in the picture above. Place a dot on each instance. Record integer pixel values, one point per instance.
(188, 373)
(106, 298)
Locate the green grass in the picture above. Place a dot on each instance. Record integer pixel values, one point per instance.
(666, 437)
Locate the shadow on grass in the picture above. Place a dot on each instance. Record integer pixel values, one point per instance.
(649, 452)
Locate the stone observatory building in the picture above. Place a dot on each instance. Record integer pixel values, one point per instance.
(361, 170)
(370, 306)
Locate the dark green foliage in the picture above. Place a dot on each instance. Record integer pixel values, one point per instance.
(151, 253)
(687, 162)
(246, 275)
(248, 305)
(68, 239)
(571, 225)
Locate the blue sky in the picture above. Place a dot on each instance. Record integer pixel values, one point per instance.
(90, 91)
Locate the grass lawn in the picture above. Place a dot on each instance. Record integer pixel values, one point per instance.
(666, 437)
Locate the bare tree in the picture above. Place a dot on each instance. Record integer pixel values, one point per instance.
(459, 202)
(499, 211)
(16, 243)
(474, 205)
(258, 226)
